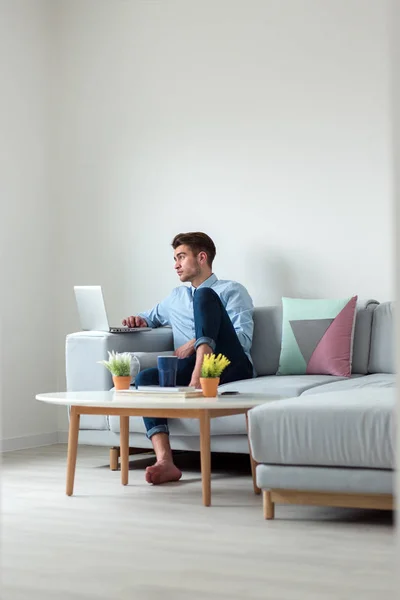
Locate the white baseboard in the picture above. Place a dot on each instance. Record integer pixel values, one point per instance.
(62, 437)
(33, 441)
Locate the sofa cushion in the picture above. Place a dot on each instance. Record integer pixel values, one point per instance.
(283, 386)
(362, 336)
(377, 380)
(340, 429)
(99, 422)
(266, 346)
(317, 336)
(382, 352)
(136, 424)
(323, 479)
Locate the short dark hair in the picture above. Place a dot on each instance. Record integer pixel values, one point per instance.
(197, 242)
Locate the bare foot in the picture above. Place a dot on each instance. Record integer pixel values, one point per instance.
(162, 472)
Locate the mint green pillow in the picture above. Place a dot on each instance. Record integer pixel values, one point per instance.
(317, 336)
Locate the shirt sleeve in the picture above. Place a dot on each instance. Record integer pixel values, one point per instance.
(159, 315)
(240, 309)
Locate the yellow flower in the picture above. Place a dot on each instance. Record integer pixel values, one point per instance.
(213, 366)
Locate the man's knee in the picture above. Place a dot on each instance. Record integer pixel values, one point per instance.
(205, 295)
(147, 377)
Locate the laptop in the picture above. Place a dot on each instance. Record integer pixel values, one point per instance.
(92, 311)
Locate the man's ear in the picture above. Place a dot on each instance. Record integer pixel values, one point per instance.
(202, 256)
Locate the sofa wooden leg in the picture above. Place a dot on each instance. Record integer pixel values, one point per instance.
(269, 506)
(114, 456)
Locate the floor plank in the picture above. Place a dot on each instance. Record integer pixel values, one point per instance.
(140, 541)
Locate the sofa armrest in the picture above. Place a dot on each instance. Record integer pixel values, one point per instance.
(85, 348)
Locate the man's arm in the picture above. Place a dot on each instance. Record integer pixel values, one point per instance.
(240, 308)
(156, 317)
(186, 350)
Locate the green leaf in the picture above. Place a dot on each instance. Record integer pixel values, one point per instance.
(119, 364)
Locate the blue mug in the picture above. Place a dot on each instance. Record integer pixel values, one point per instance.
(167, 368)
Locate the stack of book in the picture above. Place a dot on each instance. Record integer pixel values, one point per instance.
(163, 392)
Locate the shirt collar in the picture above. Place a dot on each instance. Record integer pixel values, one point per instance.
(207, 283)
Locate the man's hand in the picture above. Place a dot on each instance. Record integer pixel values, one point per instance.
(195, 381)
(186, 350)
(200, 352)
(134, 322)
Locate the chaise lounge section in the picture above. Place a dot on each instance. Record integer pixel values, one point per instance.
(335, 443)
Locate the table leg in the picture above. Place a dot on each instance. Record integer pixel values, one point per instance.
(72, 448)
(124, 449)
(253, 463)
(205, 456)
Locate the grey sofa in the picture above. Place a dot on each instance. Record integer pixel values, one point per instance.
(335, 443)
(373, 367)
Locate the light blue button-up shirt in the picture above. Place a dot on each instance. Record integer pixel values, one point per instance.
(177, 311)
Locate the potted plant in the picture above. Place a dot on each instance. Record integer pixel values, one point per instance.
(119, 365)
(211, 370)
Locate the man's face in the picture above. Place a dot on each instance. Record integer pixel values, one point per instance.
(187, 265)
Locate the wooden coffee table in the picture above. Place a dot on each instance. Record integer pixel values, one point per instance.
(110, 403)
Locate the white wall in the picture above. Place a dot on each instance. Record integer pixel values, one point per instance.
(264, 123)
(28, 245)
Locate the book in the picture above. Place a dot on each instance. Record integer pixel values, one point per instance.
(173, 393)
(166, 390)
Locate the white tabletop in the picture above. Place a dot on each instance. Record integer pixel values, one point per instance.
(115, 400)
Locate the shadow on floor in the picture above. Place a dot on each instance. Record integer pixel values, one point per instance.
(230, 464)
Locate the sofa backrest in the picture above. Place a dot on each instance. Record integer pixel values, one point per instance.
(266, 347)
(382, 352)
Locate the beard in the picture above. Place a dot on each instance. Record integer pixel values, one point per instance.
(185, 277)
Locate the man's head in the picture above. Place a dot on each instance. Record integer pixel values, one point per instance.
(194, 253)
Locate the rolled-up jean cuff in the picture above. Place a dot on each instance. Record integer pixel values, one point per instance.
(162, 428)
(205, 340)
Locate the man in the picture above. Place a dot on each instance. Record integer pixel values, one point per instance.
(209, 316)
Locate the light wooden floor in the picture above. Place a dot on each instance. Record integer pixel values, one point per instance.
(109, 542)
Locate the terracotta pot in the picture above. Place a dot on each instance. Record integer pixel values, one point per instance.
(209, 385)
(122, 383)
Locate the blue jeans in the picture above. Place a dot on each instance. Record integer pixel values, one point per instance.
(213, 327)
